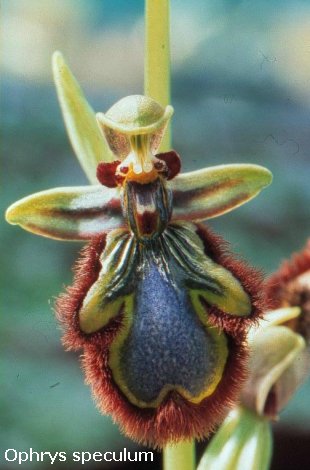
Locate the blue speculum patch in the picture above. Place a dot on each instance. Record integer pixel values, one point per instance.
(167, 345)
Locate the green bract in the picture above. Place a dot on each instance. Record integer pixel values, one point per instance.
(243, 441)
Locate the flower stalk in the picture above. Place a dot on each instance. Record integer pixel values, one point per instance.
(157, 57)
(180, 456)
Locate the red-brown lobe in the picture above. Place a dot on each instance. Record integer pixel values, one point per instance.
(106, 174)
(172, 161)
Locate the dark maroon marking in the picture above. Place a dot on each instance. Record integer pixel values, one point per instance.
(270, 408)
(106, 174)
(172, 161)
(124, 169)
(147, 223)
(206, 191)
(160, 166)
(119, 179)
(114, 205)
(110, 209)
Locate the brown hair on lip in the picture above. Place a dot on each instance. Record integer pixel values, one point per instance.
(289, 270)
(67, 305)
(289, 286)
(175, 419)
(251, 279)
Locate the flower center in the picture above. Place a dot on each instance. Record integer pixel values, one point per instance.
(139, 165)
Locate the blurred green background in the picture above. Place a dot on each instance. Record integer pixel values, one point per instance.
(241, 92)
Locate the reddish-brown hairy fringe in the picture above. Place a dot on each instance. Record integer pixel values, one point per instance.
(175, 419)
(250, 278)
(277, 283)
(287, 288)
(68, 304)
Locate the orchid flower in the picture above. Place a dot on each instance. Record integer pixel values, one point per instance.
(279, 363)
(158, 306)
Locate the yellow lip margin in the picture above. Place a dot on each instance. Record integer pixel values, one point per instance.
(114, 357)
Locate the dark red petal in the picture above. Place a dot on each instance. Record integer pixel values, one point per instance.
(172, 161)
(106, 174)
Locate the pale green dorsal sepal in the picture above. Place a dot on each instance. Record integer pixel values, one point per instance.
(84, 133)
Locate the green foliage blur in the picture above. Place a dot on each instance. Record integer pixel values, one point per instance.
(240, 88)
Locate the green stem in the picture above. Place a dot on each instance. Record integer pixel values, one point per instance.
(180, 456)
(157, 57)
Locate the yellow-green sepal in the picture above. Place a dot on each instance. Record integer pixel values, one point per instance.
(84, 133)
(75, 213)
(278, 364)
(213, 191)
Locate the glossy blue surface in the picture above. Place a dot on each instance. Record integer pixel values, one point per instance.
(167, 342)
